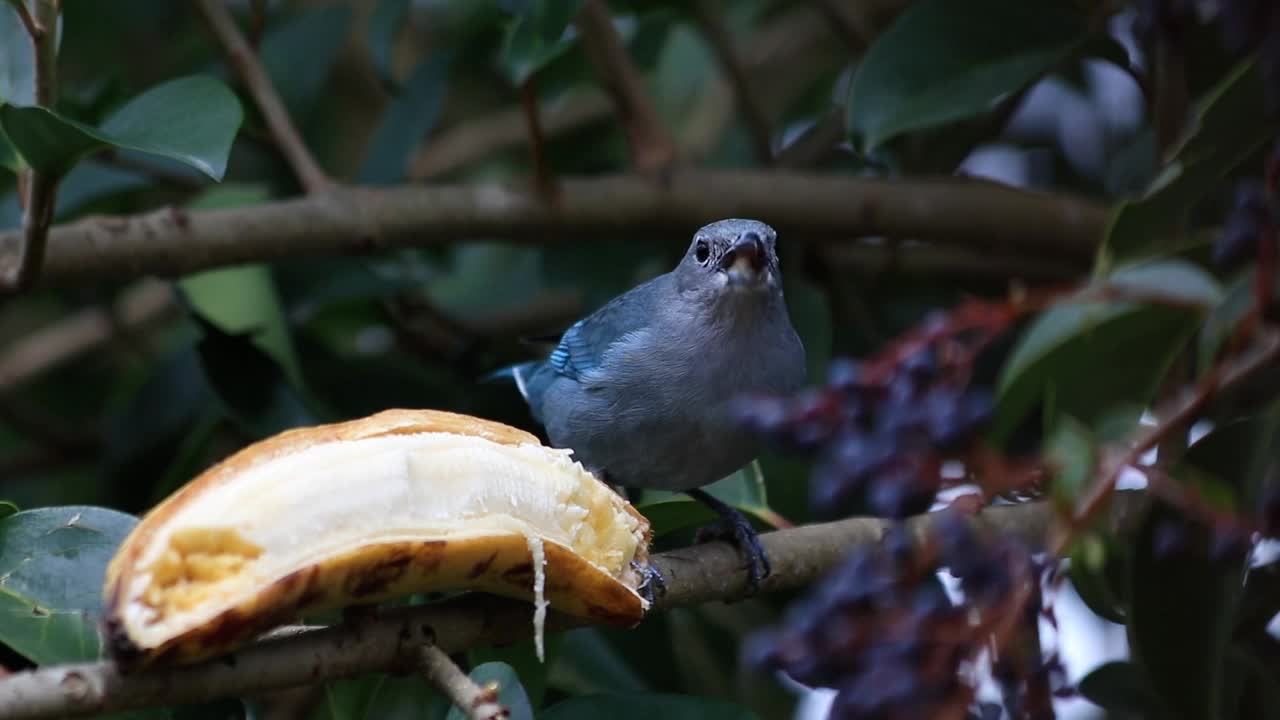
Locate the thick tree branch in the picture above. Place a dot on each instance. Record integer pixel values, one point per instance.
(652, 147)
(695, 575)
(244, 61)
(171, 242)
(41, 188)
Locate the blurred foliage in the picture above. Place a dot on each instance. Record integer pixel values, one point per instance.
(1062, 95)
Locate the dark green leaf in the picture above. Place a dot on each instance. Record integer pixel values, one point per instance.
(193, 120)
(1071, 452)
(586, 662)
(299, 53)
(7, 508)
(537, 36)
(1098, 574)
(1229, 125)
(1085, 358)
(377, 696)
(52, 567)
(510, 692)
(91, 181)
(943, 61)
(407, 121)
(1224, 319)
(1251, 687)
(643, 706)
(8, 153)
(744, 490)
(1118, 687)
(384, 28)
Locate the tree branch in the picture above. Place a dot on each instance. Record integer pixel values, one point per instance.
(652, 147)
(244, 61)
(42, 189)
(802, 207)
(478, 703)
(391, 640)
(44, 349)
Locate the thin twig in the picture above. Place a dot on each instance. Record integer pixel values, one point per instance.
(694, 576)
(652, 148)
(249, 68)
(81, 332)
(544, 180)
(479, 703)
(710, 15)
(41, 188)
(1177, 414)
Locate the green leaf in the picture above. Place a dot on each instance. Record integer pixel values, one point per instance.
(7, 508)
(943, 61)
(510, 692)
(1071, 451)
(744, 490)
(1118, 687)
(1224, 319)
(1180, 613)
(299, 52)
(1228, 126)
(384, 26)
(192, 120)
(522, 657)
(586, 662)
(1084, 358)
(1098, 573)
(643, 706)
(9, 157)
(406, 121)
(52, 568)
(541, 33)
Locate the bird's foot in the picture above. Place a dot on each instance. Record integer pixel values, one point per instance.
(652, 584)
(734, 528)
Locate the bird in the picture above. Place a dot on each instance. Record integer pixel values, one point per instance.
(643, 389)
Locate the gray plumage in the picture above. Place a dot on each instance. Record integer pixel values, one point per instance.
(641, 390)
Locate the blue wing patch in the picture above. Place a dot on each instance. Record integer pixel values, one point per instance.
(574, 355)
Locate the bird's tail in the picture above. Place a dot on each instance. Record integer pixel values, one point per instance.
(519, 374)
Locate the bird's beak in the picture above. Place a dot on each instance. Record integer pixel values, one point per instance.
(744, 263)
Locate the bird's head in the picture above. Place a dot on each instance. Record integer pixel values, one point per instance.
(731, 256)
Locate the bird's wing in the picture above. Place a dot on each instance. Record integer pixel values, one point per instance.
(584, 344)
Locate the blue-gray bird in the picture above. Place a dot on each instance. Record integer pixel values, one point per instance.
(642, 389)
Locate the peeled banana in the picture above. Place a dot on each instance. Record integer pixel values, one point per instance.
(400, 502)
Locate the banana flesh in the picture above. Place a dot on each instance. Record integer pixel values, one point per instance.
(396, 503)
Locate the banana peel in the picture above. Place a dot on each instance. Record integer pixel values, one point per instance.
(401, 502)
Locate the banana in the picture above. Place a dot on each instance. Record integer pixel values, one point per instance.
(401, 502)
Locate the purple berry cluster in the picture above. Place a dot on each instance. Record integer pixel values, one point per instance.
(881, 433)
(884, 634)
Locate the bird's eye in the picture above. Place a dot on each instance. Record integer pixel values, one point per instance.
(701, 252)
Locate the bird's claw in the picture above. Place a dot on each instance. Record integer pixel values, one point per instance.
(652, 584)
(735, 528)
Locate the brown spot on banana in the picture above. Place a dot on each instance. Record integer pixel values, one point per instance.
(397, 503)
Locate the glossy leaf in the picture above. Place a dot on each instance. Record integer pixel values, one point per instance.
(52, 567)
(299, 52)
(744, 490)
(9, 154)
(586, 663)
(1118, 687)
(406, 121)
(1099, 574)
(510, 692)
(643, 706)
(522, 658)
(943, 61)
(193, 120)
(536, 36)
(384, 27)
(1228, 126)
(1071, 452)
(1055, 360)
